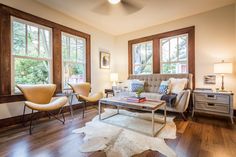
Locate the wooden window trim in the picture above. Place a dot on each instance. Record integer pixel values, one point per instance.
(5, 50)
(156, 49)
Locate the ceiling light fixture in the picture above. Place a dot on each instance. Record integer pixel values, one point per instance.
(114, 1)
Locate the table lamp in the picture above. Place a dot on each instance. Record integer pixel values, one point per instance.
(223, 68)
(114, 79)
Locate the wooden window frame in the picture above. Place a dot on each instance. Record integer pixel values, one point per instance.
(156, 49)
(133, 66)
(71, 61)
(172, 62)
(14, 56)
(5, 50)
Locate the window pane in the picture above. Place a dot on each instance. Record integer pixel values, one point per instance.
(81, 50)
(32, 39)
(73, 56)
(73, 51)
(165, 50)
(65, 47)
(165, 69)
(28, 71)
(169, 68)
(182, 68)
(73, 73)
(44, 43)
(183, 48)
(136, 53)
(173, 49)
(174, 54)
(142, 57)
(19, 38)
(143, 69)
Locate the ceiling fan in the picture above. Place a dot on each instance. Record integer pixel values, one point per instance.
(107, 7)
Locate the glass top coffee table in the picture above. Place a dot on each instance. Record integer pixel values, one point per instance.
(149, 106)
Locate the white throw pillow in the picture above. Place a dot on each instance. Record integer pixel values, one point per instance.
(127, 84)
(178, 85)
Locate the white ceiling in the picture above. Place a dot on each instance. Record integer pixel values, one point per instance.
(154, 12)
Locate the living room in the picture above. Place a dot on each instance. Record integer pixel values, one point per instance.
(109, 35)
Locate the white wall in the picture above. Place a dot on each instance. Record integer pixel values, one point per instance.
(215, 40)
(215, 33)
(100, 78)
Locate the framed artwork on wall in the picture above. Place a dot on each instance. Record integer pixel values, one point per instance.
(210, 79)
(104, 60)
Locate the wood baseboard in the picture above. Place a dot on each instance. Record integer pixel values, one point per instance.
(18, 119)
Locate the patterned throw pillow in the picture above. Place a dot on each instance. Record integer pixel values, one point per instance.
(136, 85)
(164, 87)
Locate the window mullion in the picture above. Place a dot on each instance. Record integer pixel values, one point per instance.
(177, 49)
(76, 50)
(69, 48)
(169, 61)
(26, 42)
(38, 42)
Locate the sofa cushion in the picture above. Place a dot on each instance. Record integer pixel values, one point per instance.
(152, 81)
(177, 84)
(164, 87)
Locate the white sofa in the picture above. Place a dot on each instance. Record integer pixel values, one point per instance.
(151, 87)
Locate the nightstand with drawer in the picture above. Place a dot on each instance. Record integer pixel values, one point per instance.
(217, 103)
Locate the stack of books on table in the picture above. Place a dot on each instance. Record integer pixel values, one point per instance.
(136, 99)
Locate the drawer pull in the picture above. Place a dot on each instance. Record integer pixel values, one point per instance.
(211, 104)
(211, 96)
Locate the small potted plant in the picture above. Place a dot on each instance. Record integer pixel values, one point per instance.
(138, 92)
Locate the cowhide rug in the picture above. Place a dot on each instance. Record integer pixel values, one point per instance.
(119, 142)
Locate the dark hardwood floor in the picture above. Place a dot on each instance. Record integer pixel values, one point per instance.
(201, 137)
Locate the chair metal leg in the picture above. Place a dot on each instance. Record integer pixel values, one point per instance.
(63, 116)
(31, 120)
(56, 115)
(183, 116)
(84, 107)
(62, 113)
(48, 115)
(23, 116)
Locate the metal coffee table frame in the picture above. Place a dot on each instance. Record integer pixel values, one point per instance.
(129, 105)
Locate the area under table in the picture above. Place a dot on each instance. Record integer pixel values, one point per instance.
(149, 106)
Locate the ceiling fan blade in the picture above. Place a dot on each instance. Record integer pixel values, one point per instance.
(103, 8)
(130, 7)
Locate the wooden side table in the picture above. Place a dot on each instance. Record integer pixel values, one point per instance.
(109, 91)
(69, 94)
(217, 103)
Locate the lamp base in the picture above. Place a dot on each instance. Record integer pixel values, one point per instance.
(222, 90)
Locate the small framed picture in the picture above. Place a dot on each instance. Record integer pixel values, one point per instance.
(104, 60)
(210, 79)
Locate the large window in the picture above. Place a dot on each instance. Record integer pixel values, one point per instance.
(171, 52)
(31, 53)
(174, 54)
(142, 58)
(74, 59)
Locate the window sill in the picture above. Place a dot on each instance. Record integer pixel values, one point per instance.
(15, 98)
(11, 98)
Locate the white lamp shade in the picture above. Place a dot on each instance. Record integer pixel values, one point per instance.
(114, 77)
(114, 1)
(223, 68)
